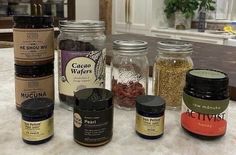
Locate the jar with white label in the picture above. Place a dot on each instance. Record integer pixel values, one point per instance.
(81, 58)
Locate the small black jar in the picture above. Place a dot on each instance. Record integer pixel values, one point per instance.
(205, 103)
(37, 120)
(150, 112)
(93, 117)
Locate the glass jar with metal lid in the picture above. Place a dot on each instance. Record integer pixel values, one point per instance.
(81, 58)
(130, 70)
(170, 67)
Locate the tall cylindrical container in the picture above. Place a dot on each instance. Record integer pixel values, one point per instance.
(170, 67)
(81, 58)
(130, 70)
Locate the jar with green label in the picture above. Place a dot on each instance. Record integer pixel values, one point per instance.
(81, 58)
(205, 103)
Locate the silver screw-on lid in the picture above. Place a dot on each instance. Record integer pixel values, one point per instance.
(130, 45)
(82, 25)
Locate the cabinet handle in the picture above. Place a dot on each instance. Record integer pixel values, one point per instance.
(129, 12)
(126, 12)
(35, 9)
(40, 10)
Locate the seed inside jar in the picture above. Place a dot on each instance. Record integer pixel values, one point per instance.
(170, 79)
(126, 93)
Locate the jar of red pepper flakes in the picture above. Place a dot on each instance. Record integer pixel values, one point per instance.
(129, 74)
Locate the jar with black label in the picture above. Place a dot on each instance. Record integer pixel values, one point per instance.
(93, 117)
(205, 103)
(35, 81)
(81, 58)
(37, 120)
(150, 112)
(33, 38)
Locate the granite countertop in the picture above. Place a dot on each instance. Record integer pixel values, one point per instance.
(194, 32)
(175, 141)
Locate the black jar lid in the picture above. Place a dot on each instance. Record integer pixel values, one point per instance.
(93, 99)
(34, 69)
(150, 104)
(37, 107)
(33, 20)
(207, 80)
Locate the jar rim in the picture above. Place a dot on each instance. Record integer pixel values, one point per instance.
(174, 47)
(130, 45)
(81, 25)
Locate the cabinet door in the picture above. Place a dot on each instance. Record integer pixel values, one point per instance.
(119, 16)
(139, 16)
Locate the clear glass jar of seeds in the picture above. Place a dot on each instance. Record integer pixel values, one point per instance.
(170, 67)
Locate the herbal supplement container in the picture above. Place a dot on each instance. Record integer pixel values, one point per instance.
(93, 117)
(33, 38)
(130, 71)
(170, 67)
(35, 81)
(205, 103)
(37, 120)
(150, 111)
(81, 58)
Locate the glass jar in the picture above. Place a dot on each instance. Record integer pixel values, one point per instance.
(81, 58)
(130, 70)
(170, 67)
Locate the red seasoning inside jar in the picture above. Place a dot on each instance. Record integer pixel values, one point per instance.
(126, 93)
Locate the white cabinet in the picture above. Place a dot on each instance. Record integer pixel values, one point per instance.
(132, 16)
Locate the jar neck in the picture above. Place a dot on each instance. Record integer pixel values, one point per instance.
(175, 54)
(130, 53)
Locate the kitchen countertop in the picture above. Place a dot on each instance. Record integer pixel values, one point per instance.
(194, 32)
(175, 141)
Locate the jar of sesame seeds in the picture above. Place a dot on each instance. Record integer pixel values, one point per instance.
(170, 67)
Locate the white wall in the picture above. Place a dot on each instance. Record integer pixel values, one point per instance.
(87, 9)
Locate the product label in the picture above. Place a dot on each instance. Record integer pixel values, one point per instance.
(27, 88)
(33, 44)
(79, 70)
(149, 126)
(93, 127)
(36, 131)
(204, 118)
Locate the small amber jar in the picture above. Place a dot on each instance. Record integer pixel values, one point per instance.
(150, 114)
(37, 120)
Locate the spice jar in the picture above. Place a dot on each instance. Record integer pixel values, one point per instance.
(35, 81)
(81, 58)
(37, 120)
(93, 117)
(205, 103)
(33, 38)
(170, 67)
(150, 112)
(130, 70)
